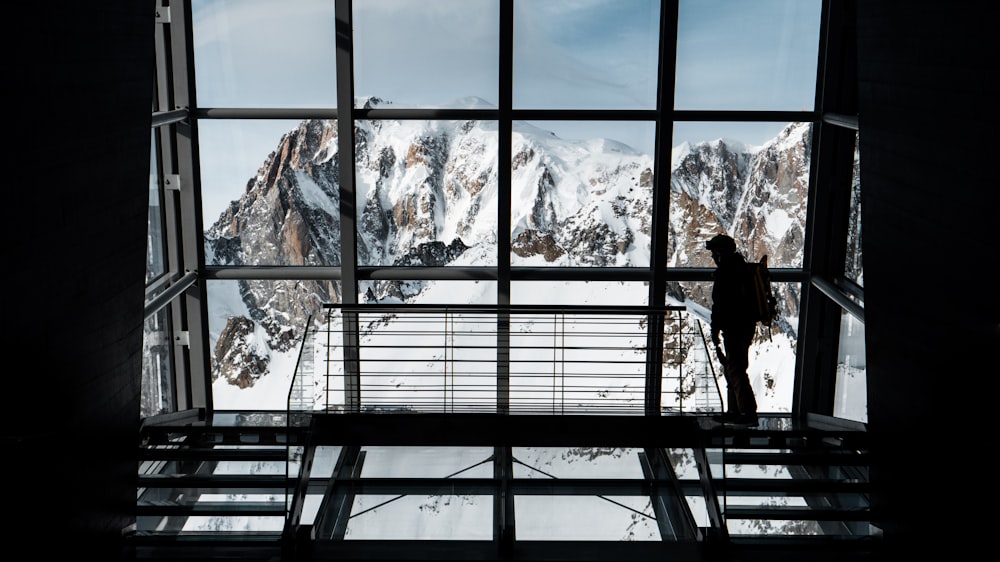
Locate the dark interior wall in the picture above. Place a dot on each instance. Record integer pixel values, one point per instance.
(74, 259)
(927, 103)
(73, 252)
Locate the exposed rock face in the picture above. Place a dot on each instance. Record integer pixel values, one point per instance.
(433, 254)
(532, 243)
(238, 356)
(758, 196)
(426, 193)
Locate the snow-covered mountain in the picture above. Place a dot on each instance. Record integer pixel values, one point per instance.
(427, 196)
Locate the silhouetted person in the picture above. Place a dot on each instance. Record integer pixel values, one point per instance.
(732, 318)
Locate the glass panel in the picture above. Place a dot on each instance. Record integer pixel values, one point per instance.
(256, 331)
(747, 54)
(269, 192)
(427, 54)
(689, 380)
(429, 362)
(247, 52)
(156, 259)
(427, 192)
(576, 462)
(584, 200)
(772, 527)
(772, 353)
(716, 467)
(750, 181)
(427, 462)
(585, 518)
(699, 509)
(420, 517)
(248, 418)
(157, 366)
(589, 293)
(683, 462)
(416, 361)
(234, 524)
(564, 363)
(325, 460)
(395, 291)
(310, 508)
(851, 394)
(586, 55)
(854, 264)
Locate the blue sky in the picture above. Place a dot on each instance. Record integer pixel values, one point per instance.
(581, 54)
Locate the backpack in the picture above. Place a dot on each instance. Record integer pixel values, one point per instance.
(765, 305)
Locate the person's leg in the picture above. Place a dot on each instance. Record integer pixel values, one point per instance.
(738, 362)
(732, 408)
(732, 411)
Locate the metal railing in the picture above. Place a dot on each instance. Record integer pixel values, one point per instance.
(513, 359)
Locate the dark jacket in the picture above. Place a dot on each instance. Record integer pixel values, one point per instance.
(732, 304)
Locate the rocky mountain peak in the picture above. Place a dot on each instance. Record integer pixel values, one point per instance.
(427, 192)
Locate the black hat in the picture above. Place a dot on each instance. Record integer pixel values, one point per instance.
(721, 243)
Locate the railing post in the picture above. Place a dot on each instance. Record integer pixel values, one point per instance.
(654, 362)
(503, 361)
(449, 334)
(352, 361)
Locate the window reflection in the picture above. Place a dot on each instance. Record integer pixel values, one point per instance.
(851, 394)
(157, 389)
(854, 264)
(155, 241)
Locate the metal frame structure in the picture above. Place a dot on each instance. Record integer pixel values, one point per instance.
(181, 290)
(824, 290)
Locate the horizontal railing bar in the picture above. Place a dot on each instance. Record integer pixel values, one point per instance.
(579, 359)
(533, 361)
(211, 508)
(209, 453)
(217, 481)
(799, 513)
(739, 486)
(621, 310)
(831, 458)
(519, 486)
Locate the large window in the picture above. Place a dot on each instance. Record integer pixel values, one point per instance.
(525, 152)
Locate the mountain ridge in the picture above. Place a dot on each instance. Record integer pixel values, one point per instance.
(427, 194)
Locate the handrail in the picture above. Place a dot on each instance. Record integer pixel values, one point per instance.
(840, 297)
(505, 309)
(159, 301)
(161, 118)
(560, 359)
